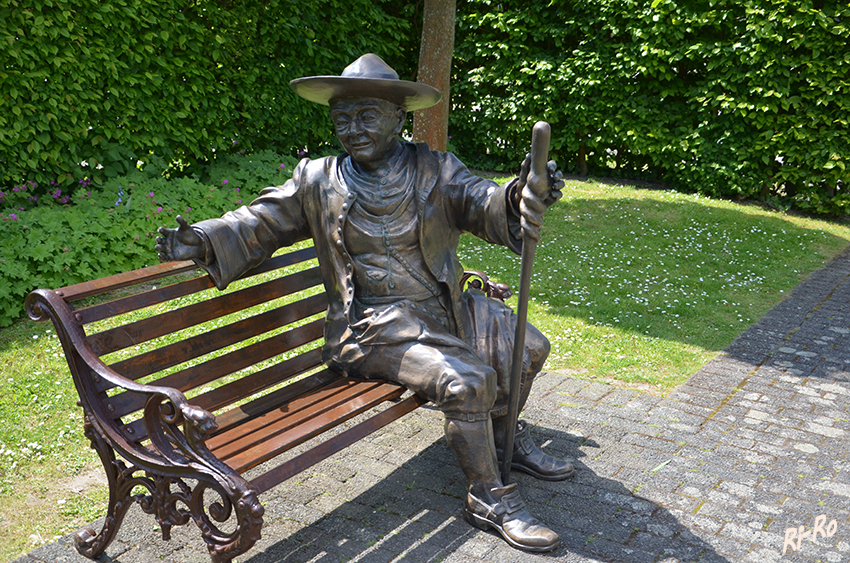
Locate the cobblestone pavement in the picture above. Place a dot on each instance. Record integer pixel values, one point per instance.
(753, 444)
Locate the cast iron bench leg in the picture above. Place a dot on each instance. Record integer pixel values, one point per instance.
(173, 502)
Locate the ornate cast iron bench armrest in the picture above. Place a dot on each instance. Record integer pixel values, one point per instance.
(169, 458)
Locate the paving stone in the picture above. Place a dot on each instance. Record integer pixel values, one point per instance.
(571, 386)
(57, 553)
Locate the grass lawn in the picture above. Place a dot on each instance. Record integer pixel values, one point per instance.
(632, 286)
(642, 287)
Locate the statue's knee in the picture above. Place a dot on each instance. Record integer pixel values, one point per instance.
(473, 391)
(538, 347)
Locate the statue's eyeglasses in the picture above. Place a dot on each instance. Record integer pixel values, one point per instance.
(367, 117)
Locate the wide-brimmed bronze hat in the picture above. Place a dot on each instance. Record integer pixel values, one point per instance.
(367, 77)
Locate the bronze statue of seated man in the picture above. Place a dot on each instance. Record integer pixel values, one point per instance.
(385, 218)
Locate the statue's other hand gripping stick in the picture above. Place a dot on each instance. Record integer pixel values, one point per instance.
(540, 182)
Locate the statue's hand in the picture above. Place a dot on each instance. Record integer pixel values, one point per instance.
(182, 243)
(537, 197)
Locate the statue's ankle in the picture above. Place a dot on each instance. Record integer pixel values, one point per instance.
(484, 490)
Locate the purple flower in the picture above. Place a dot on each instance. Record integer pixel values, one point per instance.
(158, 208)
(239, 202)
(150, 194)
(188, 209)
(33, 198)
(224, 182)
(13, 217)
(237, 190)
(57, 194)
(282, 166)
(16, 189)
(21, 208)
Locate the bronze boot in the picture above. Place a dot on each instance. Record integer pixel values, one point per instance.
(528, 458)
(505, 512)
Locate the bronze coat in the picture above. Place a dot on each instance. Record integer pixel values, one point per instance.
(315, 203)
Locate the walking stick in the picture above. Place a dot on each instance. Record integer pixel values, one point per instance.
(538, 173)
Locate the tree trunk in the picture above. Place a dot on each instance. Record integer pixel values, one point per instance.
(582, 160)
(435, 66)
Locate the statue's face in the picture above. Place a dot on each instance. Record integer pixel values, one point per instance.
(367, 128)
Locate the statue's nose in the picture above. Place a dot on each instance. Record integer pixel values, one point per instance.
(356, 126)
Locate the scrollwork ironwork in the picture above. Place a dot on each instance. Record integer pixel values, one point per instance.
(170, 498)
(173, 502)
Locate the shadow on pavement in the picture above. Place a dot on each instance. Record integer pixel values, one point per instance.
(414, 512)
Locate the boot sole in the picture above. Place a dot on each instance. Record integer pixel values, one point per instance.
(484, 524)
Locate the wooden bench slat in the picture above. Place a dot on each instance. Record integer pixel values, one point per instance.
(151, 273)
(249, 385)
(337, 443)
(281, 261)
(264, 404)
(238, 390)
(144, 330)
(138, 301)
(312, 405)
(196, 376)
(272, 444)
(111, 283)
(162, 294)
(202, 344)
(228, 443)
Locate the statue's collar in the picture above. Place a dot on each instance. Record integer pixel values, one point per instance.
(426, 170)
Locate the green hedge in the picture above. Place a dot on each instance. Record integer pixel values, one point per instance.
(729, 98)
(111, 83)
(94, 232)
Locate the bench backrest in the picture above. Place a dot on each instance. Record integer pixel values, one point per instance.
(217, 348)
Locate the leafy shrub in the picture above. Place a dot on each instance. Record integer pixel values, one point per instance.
(100, 231)
(734, 99)
(112, 83)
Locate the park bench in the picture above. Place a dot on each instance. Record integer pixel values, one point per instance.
(249, 361)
